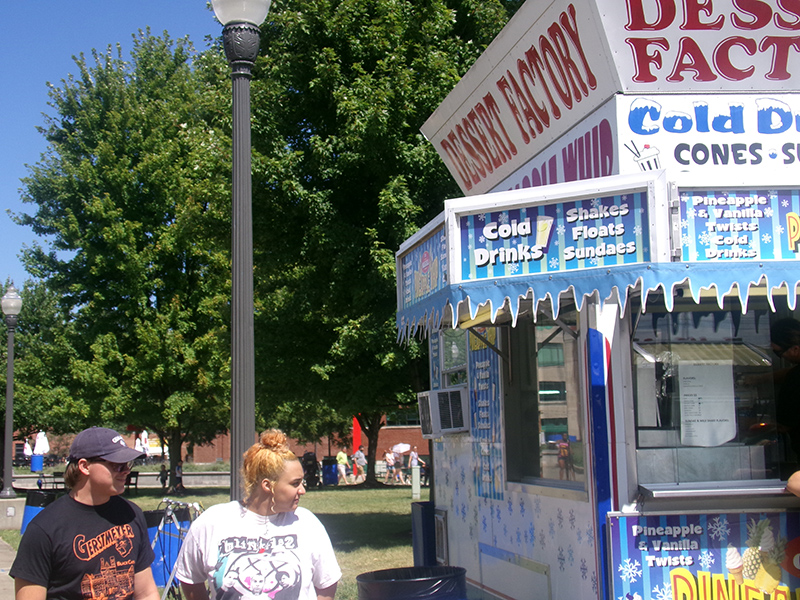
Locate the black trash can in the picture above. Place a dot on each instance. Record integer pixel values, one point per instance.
(414, 583)
(34, 504)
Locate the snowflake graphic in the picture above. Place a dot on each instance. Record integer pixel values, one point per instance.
(572, 518)
(691, 213)
(584, 568)
(684, 223)
(510, 507)
(519, 536)
(514, 268)
(482, 240)
(590, 536)
(481, 217)
(560, 518)
(579, 535)
(685, 240)
(706, 559)
(522, 508)
(594, 582)
(554, 263)
(593, 261)
(768, 212)
(551, 529)
(532, 535)
(561, 558)
(596, 202)
(503, 219)
(766, 238)
(637, 229)
(695, 255)
(630, 570)
(664, 593)
(484, 524)
(784, 203)
(685, 197)
(537, 506)
(780, 229)
(704, 238)
(560, 230)
(718, 528)
(570, 555)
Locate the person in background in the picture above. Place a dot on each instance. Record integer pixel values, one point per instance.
(399, 475)
(342, 464)
(265, 546)
(388, 456)
(359, 464)
(785, 338)
(91, 534)
(163, 477)
(179, 478)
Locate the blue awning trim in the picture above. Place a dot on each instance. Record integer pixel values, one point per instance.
(723, 277)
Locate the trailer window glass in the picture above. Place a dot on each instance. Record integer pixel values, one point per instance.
(544, 439)
(713, 400)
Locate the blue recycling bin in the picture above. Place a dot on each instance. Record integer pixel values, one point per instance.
(37, 463)
(168, 543)
(34, 504)
(329, 473)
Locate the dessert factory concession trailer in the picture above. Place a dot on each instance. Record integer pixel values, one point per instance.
(609, 413)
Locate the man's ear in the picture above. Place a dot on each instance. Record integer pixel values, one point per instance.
(83, 466)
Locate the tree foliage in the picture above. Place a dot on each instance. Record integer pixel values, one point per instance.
(344, 86)
(132, 195)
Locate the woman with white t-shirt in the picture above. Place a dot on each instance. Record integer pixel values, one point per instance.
(264, 544)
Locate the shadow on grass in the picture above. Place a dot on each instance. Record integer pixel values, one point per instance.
(375, 531)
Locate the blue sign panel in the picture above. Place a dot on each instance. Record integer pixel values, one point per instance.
(594, 232)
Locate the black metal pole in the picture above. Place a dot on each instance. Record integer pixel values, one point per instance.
(241, 41)
(8, 473)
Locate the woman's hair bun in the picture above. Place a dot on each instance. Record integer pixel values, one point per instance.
(274, 439)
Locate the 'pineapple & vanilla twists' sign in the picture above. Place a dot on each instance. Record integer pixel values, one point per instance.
(731, 556)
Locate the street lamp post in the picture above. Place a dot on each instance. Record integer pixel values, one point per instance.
(240, 37)
(11, 304)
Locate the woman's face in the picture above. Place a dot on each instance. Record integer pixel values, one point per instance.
(288, 489)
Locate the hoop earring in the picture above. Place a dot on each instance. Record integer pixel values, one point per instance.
(272, 505)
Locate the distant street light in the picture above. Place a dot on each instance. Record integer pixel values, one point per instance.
(240, 37)
(12, 303)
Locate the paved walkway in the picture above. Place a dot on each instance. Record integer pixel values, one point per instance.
(7, 555)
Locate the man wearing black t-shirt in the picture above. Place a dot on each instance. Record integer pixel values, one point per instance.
(90, 543)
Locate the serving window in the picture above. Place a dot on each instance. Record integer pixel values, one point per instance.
(706, 388)
(543, 416)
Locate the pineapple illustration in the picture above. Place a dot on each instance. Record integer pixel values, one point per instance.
(751, 558)
(769, 573)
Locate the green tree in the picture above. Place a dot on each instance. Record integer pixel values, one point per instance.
(342, 177)
(43, 395)
(132, 197)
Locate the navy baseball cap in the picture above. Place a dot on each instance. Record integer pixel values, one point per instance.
(100, 442)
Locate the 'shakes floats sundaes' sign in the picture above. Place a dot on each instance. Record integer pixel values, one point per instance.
(594, 232)
(547, 71)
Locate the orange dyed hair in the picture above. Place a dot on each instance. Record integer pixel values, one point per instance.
(266, 459)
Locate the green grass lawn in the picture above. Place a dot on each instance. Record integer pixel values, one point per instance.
(370, 528)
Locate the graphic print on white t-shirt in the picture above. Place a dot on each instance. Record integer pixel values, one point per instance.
(258, 568)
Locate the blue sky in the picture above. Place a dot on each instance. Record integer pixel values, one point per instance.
(38, 39)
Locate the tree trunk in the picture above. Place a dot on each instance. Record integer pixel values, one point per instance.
(371, 424)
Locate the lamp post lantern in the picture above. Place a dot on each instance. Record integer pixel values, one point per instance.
(11, 304)
(240, 38)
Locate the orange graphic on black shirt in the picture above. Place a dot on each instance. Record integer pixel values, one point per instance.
(114, 582)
